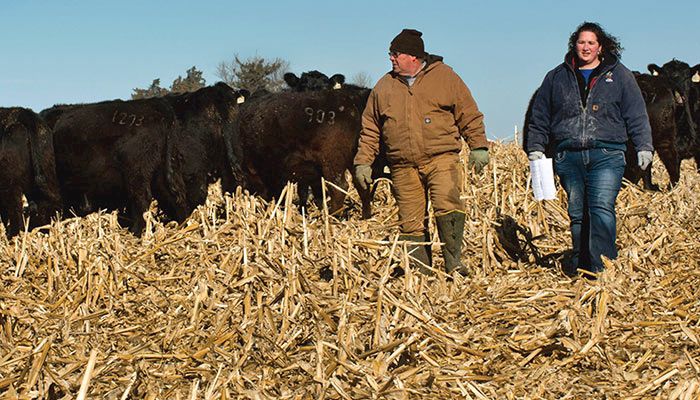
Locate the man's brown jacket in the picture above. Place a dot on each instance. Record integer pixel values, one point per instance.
(420, 121)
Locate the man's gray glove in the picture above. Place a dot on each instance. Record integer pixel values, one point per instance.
(363, 175)
(535, 155)
(478, 158)
(644, 158)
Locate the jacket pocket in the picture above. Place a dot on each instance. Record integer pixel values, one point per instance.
(439, 133)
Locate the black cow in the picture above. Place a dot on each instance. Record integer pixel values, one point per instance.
(26, 167)
(312, 81)
(122, 154)
(685, 83)
(302, 137)
(109, 154)
(206, 148)
(661, 109)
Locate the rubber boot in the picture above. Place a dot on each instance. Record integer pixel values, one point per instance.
(451, 231)
(420, 253)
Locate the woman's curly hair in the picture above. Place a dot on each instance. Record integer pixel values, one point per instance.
(611, 44)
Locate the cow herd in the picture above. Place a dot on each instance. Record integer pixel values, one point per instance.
(672, 96)
(121, 155)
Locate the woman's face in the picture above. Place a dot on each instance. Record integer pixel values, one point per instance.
(588, 49)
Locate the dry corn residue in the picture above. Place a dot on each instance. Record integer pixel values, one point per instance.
(249, 299)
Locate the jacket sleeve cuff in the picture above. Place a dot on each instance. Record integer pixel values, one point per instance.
(478, 142)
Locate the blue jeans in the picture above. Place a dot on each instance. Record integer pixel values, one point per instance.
(592, 179)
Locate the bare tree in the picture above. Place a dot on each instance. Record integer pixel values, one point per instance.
(362, 79)
(253, 73)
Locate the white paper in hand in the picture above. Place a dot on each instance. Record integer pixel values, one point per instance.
(543, 179)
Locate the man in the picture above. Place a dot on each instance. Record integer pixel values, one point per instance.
(420, 109)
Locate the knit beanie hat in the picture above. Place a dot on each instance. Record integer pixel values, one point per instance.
(409, 42)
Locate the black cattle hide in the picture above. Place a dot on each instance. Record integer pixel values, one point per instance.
(661, 109)
(119, 155)
(27, 168)
(109, 153)
(206, 148)
(684, 81)
(302, 137)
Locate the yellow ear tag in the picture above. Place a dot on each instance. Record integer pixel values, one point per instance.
(337, 86)
(240, 100)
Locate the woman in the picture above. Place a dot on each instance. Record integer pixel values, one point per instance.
(588, 107)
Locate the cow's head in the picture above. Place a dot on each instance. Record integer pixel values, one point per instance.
(243, 95)
(679, 76)
(313, 81)
(337, 81)
(226, 94)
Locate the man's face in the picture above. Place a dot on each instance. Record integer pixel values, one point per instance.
(403, 64)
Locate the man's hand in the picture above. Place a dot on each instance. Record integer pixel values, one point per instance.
(363, 176)
(478, 158)
(535, 155)
(644, 158)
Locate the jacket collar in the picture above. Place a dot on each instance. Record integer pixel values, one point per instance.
(430, 62)
(606, 63)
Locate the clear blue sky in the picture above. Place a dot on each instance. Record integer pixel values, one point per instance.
(85, 51)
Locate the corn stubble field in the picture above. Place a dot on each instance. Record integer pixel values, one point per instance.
(255, 300)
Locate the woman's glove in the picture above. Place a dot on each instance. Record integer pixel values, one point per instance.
(644, 158)
(535, 155)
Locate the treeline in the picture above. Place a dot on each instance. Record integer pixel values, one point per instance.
(252, 73)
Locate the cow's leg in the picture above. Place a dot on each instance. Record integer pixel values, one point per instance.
(669, 157)
(138, 200)
(166, 201)
(40, 212)
(675, 172)
(307, 175)
(337, 198)
(197, 191)
(366, 196)
(632, 170)
(697, 161)
(137, 182)
(11, 206)
(179, 206)
(176, 189)
(5, 213)
(303, 194)
(646, 177)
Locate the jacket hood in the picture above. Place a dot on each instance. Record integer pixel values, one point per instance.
(430, 62)
(432, 58)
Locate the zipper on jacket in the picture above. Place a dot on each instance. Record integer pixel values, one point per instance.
(584, 113)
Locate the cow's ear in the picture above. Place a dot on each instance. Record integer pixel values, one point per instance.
(696, 74)
(337, 80)
(654, 69)
(291, 79)
(243, 95)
